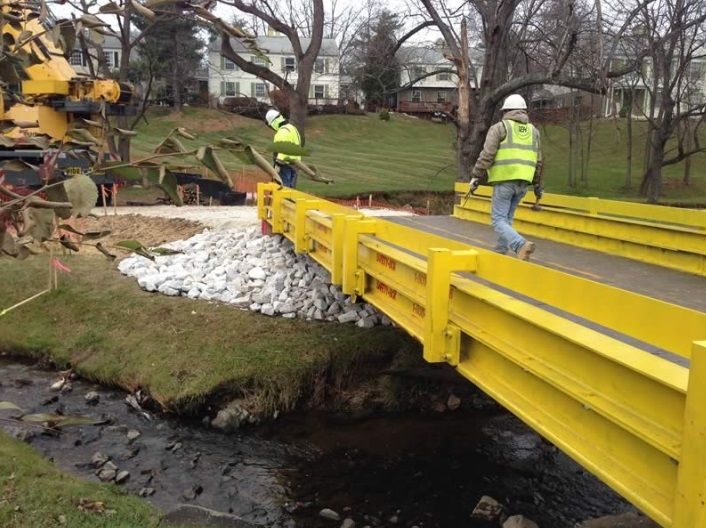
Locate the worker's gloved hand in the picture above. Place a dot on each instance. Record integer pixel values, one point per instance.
(475, 182)
(538, 192)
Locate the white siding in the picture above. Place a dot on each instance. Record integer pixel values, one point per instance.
(325, 75)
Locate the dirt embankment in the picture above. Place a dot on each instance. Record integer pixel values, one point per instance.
(150, 231)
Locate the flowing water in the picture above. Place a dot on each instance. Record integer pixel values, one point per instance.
(393, 470)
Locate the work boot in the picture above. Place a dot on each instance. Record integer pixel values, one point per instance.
(525, 251)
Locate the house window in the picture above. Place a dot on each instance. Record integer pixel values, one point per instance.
(76, 58)
(227, 64)
(443, 76)
(442, 96)
(260, 61)
(416, 96)
(290, 64)
(260, 89)
(112, 59)
(229, 89)
(696, 70)
(417, 71)
(319, 91)
(320, 65)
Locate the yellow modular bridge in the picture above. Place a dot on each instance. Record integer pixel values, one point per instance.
(602, 355)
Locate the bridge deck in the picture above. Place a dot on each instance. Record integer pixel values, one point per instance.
(668, 285)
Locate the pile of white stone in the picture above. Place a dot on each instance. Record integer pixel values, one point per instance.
(252, 272)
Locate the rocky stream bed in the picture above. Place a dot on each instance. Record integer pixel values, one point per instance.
(313, 469)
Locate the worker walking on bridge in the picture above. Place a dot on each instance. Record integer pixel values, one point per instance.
(511, 160)
(285, 132)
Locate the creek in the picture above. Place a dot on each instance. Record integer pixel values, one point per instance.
(425, 470)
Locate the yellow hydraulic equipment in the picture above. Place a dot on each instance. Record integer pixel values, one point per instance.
(615, 379)
(48, 96)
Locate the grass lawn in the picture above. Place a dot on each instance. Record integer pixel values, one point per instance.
(182, 350)
(364, 154)
(34, 494)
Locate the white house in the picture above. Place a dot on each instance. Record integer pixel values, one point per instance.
(425, 85)
(226, 79)
(112, 50)
(629, 92)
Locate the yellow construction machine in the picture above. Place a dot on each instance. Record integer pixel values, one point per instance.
(44, 102)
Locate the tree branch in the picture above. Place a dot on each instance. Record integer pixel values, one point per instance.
(411, 33)
(259, 71)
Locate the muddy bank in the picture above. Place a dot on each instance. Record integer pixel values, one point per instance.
(403, 469)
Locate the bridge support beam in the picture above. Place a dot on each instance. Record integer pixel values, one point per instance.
(442, 341)
(690, 504)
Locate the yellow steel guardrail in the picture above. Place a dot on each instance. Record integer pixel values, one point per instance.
(665, 236)
(567, 355)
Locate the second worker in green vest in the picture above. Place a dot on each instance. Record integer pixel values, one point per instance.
(511, 160)
(285, 132)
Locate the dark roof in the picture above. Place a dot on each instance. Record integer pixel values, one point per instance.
(279, 45)
(431, 55)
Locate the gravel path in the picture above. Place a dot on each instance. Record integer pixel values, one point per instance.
(215, 217)
(218, 217)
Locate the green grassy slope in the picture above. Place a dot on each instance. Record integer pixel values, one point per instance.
(364, 154)
(181, 350)
(35, 494)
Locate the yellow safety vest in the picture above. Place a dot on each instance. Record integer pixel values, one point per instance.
(288, 134)
(517, 155)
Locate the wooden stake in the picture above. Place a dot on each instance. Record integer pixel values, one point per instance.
(198, 194)
(51, 259)
(115, 199)
(105, 205)
(370, 200)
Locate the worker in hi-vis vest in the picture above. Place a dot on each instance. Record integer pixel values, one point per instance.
(511, 160)
(287, 133)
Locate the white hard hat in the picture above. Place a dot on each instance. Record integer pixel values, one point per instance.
(271, 115)
(514, 102)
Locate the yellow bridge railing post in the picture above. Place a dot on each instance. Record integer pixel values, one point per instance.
(300, 234)
(593, 205)
(264, 189)
(354, 227)
(277, 226)
(441, 343)
(690, 503)
(338, 225)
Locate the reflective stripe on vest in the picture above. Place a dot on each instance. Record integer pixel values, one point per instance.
(288, 134)
(517, 154)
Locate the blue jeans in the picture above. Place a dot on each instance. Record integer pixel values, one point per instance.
(506, 197)
(288, 175)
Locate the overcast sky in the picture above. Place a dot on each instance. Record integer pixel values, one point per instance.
(227, 12)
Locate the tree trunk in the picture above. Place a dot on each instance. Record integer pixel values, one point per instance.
(652, 181)
(628, 157)
(651, 185)
(589, 142)
(466, 157)
(176, 77)
(298, 111)
(688, 145)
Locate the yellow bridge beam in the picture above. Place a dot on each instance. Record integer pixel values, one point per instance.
(635, 420)
(666, 236)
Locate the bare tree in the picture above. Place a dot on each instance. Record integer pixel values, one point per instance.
(286, 20)
(674, 34)
(124, 13)
(525, 43)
